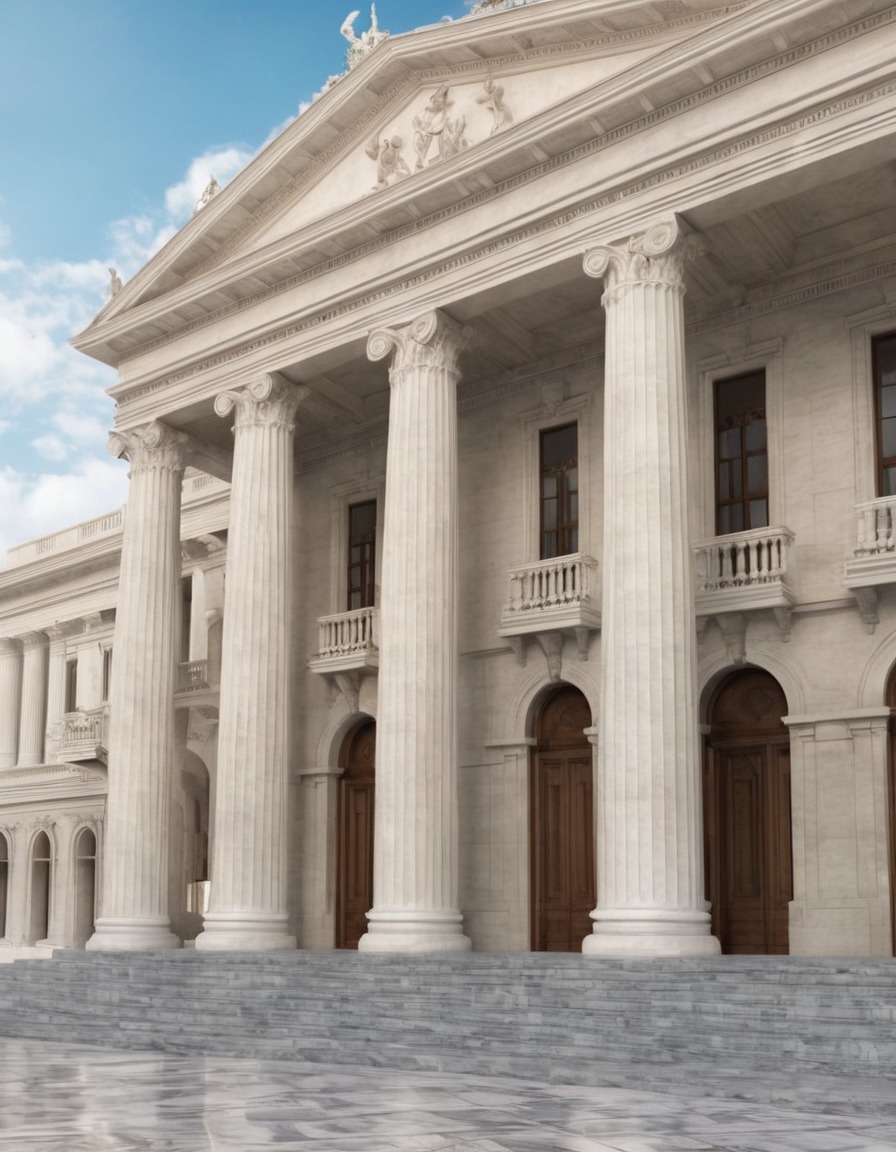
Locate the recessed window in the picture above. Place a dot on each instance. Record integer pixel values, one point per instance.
(741, 454)
(559, 491)
(362, 555)
(107, 672)
(883, 351)
(71, 685)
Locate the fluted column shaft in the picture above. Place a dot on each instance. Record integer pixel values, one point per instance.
(141, 698)
(649, 857)
(10, 695)
(415, 834)
(34, 698)
(247, 908)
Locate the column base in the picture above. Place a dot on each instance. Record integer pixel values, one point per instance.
(244, 932)
(414, 933)
(122, 934)
(650, 932)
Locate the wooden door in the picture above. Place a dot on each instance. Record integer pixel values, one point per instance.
(748, 817)
(563, 826)
(354, 896)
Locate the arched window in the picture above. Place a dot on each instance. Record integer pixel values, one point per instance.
(85, 887)
(41, 864)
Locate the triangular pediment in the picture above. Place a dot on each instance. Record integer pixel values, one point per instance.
(427, 120)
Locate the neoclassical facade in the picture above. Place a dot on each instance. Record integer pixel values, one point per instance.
(509, 560)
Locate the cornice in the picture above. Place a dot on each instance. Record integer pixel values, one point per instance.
(614, 195)
(694, 53)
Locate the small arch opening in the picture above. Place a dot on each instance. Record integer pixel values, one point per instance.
(85, 887)
(41, 867)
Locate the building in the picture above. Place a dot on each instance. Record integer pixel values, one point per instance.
(516, 436)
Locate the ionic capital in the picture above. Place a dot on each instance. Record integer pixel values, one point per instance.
(151, 447)
(657, 256)
(269, 401)
(433, 340)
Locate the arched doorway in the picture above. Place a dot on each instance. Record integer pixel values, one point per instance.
(562, 841)
(85, 887)
(41, 859)
(746, 804)
(354, 847)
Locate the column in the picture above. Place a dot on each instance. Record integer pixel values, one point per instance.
(247, 907)
(415, 870)
(10, 696)
(34, 698)
(141, 699)
(58, 635)
(650, 833)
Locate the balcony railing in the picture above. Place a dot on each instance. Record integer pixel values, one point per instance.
(84, 734)
(550, 594)
(873, 560)
(743, 571)
(346, 641)
(192, 676)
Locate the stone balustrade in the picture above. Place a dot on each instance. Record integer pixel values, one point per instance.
(875, 520)
(743, 571)
(100, 526)
(550, 594)
(346, 641)
(84, 734)
(192, 676)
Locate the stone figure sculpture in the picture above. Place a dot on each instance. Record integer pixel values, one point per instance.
(492, 98)
(115, 283)
(390, 164)
(211, 190)
(360, 46)
(435, 124)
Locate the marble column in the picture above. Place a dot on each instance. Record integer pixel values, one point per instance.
(650, 834)
(58, 635)
(33, 712)
(415, 870)
(10, 695)
(247, 905)
(141, 699)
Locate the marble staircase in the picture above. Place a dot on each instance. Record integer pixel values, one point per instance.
(757, 1028)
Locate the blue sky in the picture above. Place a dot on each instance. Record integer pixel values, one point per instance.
(112, 115)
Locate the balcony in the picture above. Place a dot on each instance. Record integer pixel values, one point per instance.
(745, 572)
(192, 676)
(550, 599)
(873, 560)
(347, 650)
(84, 735)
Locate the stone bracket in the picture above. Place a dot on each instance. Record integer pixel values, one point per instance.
(866, 602)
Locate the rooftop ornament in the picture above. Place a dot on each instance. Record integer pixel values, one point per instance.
(363, 45)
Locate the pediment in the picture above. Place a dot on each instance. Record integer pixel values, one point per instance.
(436, 123)
(423, 123)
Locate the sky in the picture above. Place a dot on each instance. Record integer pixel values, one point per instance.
(113, 116)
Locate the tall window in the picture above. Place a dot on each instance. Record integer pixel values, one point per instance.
(362, 555)
(107, 672)
(559, 491)
(741, 454)
(883, 351)
(71, 685)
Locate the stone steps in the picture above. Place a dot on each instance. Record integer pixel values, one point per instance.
(731, 1026)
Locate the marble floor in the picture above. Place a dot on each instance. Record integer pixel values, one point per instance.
(56, 1097)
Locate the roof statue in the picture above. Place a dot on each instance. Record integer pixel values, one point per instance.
(209, 192)
(115, 284)
(361, 46)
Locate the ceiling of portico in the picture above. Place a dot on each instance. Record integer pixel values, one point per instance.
(552, 318)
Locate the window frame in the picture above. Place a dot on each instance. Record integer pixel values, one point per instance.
(747, 495)
(880, 461)
(565, 525)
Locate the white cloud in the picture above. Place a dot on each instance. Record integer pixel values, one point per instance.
(222, 163)
(50, 447)
(37, 506)
(81, 428)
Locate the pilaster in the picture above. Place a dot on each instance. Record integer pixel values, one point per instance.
(416, 821)
(650, 858)
(141, 737)
(58, 636)
(32, 717)
(247, 908)
(10, 697)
